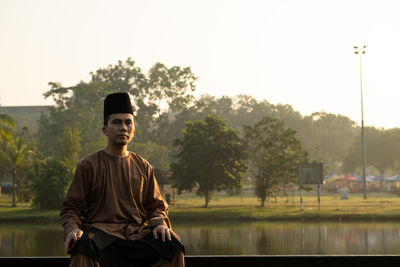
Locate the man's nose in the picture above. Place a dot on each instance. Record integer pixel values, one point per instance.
(124, 127)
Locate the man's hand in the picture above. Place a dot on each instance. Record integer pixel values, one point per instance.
(164, 231)
(75, 235)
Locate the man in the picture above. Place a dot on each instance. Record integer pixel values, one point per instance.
(113, 213)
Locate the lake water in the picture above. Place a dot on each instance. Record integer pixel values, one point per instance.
(259, 238)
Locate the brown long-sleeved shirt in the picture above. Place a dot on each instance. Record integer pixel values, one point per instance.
(118, 195)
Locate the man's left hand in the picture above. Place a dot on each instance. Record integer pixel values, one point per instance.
(164, 231)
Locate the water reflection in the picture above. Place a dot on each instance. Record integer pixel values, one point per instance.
(31, 240)
(293, 238)
(262, 238)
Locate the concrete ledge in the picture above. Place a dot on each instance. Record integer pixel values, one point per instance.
(234, 260)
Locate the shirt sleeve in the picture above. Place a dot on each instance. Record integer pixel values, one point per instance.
(155, 203)
(72, 208)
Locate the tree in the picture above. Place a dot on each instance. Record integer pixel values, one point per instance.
(382, 150)
(12, 164)
(7, 127)
(15, 153)
(332, 135)
(159, 91)
(50, 179)
(211, 157)
(274, 153)
(156, 154)
(81, 106)
(173, 86)
(122, 77)
(70, 147)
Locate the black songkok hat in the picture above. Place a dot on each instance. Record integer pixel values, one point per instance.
(117, 103)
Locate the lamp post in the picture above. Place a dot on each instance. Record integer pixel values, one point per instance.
(360, 51)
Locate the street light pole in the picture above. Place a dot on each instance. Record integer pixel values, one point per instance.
(361, 51)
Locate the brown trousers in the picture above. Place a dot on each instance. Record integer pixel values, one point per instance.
(81, 260)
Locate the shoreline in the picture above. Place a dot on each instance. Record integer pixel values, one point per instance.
(32, 216)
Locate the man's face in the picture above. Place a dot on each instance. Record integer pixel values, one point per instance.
(120, 128)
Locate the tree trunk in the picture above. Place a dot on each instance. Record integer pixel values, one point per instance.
(292, 196)
(263, 201)
(14, 175)
(207, 198)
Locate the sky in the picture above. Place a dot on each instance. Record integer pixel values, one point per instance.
(296, 52)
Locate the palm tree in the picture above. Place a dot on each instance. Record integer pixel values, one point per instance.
(7, 127)
(15, 154)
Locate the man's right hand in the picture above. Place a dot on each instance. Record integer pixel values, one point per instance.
(73, 235)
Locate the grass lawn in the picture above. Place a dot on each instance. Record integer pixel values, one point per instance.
(247, 207)
(24, 212)
(189, 207)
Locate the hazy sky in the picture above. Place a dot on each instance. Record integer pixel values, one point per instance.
(291, 52)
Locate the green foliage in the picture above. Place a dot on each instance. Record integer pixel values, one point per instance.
(122, 77)
(173, 86)
(70, 146)
(331, 137)
(274, 153)
(15, 154)
(325, 136)
(155, 154)
(7, 127)
(50, 180)
(382, 150)
(163, 103)
(80, 107)
(211, 157)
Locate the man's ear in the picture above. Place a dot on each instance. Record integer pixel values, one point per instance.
(104, 130)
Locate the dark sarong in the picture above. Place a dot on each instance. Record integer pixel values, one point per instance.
(111, 251)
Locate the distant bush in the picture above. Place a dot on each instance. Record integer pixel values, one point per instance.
(50, 180)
